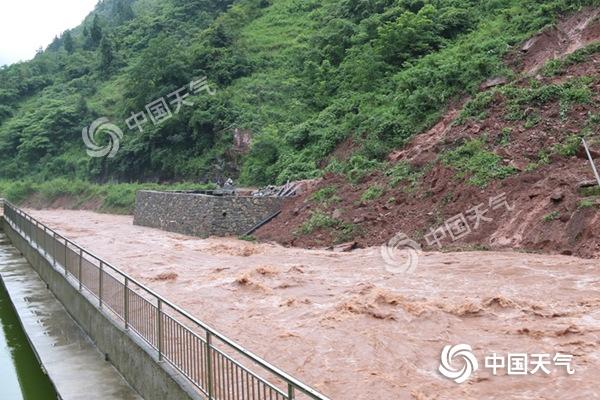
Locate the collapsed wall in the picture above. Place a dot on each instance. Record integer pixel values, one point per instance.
(201, 214)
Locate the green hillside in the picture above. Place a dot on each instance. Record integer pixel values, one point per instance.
(301, 75)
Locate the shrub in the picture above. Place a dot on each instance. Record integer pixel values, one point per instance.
(587, 203)
(569, 147)
(372, 193)
(403, 172)
(554, 215)
(474, 160)
(325, 196)
(317, 220)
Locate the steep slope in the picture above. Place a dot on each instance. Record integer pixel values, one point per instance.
(520, 139)
(301, 76)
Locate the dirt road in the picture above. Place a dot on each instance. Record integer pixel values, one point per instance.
(345, 325)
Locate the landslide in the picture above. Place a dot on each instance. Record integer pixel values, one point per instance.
(520, 138)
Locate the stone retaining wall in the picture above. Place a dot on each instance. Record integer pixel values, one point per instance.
(203, 215)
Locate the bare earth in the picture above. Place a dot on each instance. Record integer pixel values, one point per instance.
(343, 324)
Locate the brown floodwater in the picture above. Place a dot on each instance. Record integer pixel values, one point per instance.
(342, 323)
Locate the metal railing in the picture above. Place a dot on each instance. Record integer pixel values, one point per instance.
(217, 366)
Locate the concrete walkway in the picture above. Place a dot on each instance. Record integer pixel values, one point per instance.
(75, 366)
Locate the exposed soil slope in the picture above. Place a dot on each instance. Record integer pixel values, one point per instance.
(557, 41)
(521, 139)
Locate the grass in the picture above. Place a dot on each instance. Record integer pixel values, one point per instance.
(404, 172)
(477, 107)
(559, 66)
(519, 100)
(569, 146)
(553, 216)
(342, 231)
(590, 191)
(474, 160)
(587, 203)
(247, 238)
(372, 193)
(326, 196)
(114, 198)
(505, 136)
(317, 220)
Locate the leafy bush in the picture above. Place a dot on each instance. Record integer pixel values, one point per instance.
(403, 172)
(326, 196)
(317, 220)
(372, 193)
(569, 147)
(587, 203)
(302, 76)
(554, 215)
(481, 165)
(590, 191)
(358, 167)
(16, 192)
(119, 198)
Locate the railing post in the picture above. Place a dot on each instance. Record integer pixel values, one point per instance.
(54, 249)
(291, 394)
(126, 303)
(209, 370)
(80, 278)
(100, 283)
(66, 271)
(160, 330)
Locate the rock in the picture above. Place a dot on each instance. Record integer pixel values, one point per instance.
(490, 83)
(337, 214)
(344, 247)
(475, 128)
(567, 252)
(359, 220)
(528, 44)
(578, 223)
(582, 154)
(586, 184)
(519, 165)
(396, 155)
(557, 196)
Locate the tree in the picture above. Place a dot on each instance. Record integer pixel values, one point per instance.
(106, 54)
(96, 32)
(123, 11)
(68, 42)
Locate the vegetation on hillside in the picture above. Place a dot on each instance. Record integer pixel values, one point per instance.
(301, 75)
(111, 198)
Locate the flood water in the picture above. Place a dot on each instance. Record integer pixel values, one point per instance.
(344, 324)
(21, 376)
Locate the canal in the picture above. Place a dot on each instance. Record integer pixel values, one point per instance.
(21, 376)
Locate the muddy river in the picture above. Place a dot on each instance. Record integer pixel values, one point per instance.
(346, 325)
